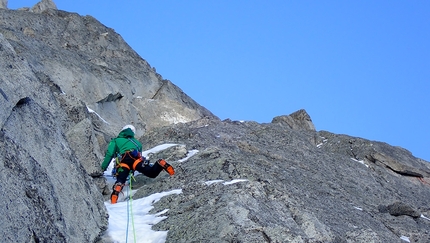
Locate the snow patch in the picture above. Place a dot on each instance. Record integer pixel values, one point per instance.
(190, 154)
(208, 183)
(131, 220)
(158, 148)
(405, 238)
(360, 161)
(234, 181)
(424, 217)
(225, 183)
(322, 143)
(92, 111)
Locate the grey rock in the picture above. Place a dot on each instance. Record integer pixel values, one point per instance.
(299, 120)
(94, 76)
(401, 208)
(42, 179)
(39, 170)
(68, 84)
(88, 152)
(294, 190)
(101, 70)
(43, 5)
(398, 166)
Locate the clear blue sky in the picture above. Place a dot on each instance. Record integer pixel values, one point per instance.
(360, 68)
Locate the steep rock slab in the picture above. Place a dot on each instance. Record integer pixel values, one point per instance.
(92, 62)
(94, 76)
(17, 81)
(47, 192)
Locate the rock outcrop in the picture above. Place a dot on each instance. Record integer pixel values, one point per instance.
(43, 5)
(299, 120)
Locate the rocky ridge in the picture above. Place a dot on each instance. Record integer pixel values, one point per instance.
(299, 185)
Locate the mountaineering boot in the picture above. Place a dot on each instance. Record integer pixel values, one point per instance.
(168, 168)
(117, 188)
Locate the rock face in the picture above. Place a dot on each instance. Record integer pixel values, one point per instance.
(67, 86)
(95, 78)
(38, 168)
(297, 186)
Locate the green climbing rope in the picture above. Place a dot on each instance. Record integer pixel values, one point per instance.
(130, 208)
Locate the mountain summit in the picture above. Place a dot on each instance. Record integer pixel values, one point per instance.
(67, 86)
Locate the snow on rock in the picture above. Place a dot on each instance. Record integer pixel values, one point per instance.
(424, 217)
(101, 118)
(208, 183)
(360, 161)
(190, 154)
(158, 148)
(131, 221)
(405, 238)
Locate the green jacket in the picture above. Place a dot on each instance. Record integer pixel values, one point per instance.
(120, 145)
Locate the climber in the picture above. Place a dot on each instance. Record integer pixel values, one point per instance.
(128, 150)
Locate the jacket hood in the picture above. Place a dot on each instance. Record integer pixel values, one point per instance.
(126, 133)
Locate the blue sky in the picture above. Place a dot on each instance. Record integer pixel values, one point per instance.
(360, 68)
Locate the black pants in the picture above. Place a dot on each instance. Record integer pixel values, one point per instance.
(151, 171)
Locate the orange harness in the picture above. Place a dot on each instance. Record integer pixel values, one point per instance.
(137, 161)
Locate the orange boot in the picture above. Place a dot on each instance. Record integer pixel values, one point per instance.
(117, 188)
(168, 168)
